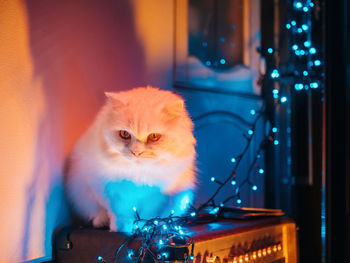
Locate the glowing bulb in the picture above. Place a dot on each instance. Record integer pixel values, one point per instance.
(99, 258)
(299, 30)
(305, 27)
(254, 188)
(275, 91)
(134, 208)
(250, 132)
(275, 74)
(317, 62)
(233, 160)
(302, 52)
(233, 182)
(172, 212)
(311, 4)
(252, 112)
(222, 61)
(312, 50)
(161, 242)
(283, 99)
(307, 44)
(261, 171)
(293, 23)
(221, 204)
(207, 63)
(181, 232)
(212, 179)
(165, 227)
(270, 50)
(155, 222)
(192, 257)
(274, 129)
(305, 73)
(239, 201)
(193, 213)
(298, 86)
(288, 26)
(305, 9)
(295, 47)
(276, 142)
(314, 85)
(298, 5)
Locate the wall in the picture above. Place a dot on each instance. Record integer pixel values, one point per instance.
(56, 59)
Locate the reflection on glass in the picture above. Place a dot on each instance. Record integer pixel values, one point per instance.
(216, 32)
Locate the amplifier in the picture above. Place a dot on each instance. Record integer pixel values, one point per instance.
(270, 240)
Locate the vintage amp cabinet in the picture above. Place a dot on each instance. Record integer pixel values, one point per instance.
(268, 240)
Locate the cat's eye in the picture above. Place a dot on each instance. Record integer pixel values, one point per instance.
(124, 135)
(153, 137)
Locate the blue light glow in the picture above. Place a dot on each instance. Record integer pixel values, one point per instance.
(191, 257)
(254, 188)
(305, 9)
(305, 27)
(261, 171)
(297, 52)
(275, 74)
(307, 43)
(283, 99)
(233, 182)
(270, 50)
(155, 222)
(239, 201)
(312, 50)
(298, 5)
(165, 255)
(207, 63)
(181, 232)
(314, 85)
(161, 242)
(302, 52)
(250, 132)
(298, 86)
(204, 44)
(221, 204)
(134, 208)
(214, 211)
(317, 62)
(252, 112)
(295, 47)
(165, 227)
(305, 73)
(99, 258)
(275, 91)
(276, 142)
(293, 23)
(212, 179)
(233, 160)
(172, 212)
(193, 214)
(274, 129)
(311, 4)
(222, 61)
(288, 26)
(299, 30)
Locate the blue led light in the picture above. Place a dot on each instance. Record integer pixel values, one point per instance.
(299, 30)
(275, 91)
(283, 99)
(233, 182)
(298, 86)
(165, 255)
(293, 23)
(165, 227)
(297, 52)
(305, 73)
(239, 201)
(233, 160)
(298, 5)
(314, 85)
(261, 171)
(181, 232)
(311, 4)
(207, 63)
(172, 212)
(221, 205)
(155, 222)
(275, 96)
(275, 74)
(254, 188)
(295, 47)
(250, 132)
(288, 26)
(134, 208)
(307, 44)
(274, 129)
(317, 62)
(270, 50)
(305, 9)
(305, 27)
(222, 61)
(276, 142)
(302, 52)
(312, 50)
(193, 214)
(161, 242)
(191, 257)
(212, 179)
(99, 258)
(252, 112)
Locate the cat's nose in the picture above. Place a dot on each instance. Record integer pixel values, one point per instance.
(137, 153)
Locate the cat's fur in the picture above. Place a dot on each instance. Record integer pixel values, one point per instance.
(108, 176)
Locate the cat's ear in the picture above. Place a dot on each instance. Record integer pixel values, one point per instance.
(173, 110)
(113, 98)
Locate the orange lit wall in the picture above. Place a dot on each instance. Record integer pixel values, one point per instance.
(56, 59)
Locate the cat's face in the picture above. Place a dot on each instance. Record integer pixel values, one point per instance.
(147, 124)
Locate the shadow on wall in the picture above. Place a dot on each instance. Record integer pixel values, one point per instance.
(80, 49)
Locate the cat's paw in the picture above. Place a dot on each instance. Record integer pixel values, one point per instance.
(101, 219)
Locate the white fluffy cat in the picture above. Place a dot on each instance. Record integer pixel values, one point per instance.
(138, 153)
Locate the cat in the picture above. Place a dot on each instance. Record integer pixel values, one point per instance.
(139, 153)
